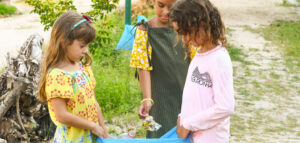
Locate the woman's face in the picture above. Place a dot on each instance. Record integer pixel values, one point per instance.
(162, 8)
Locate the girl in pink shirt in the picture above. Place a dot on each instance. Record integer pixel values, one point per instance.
(208, 99)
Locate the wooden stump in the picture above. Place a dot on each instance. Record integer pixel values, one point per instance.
(21, 112)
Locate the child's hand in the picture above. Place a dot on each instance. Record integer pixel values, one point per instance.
(106, 134)
(98, 130)
(178, 125)
(181, 131)
(144, 109)
(109, 136)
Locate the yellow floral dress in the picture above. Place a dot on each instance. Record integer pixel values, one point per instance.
(139, 53)
(78, 88)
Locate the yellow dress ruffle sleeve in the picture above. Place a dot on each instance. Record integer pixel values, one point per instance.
(139, 55)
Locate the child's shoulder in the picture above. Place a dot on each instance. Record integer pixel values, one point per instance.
(88, 69)
(56, 74)
(222, 58)
(57, 78)
(141, 32)
(143, 27)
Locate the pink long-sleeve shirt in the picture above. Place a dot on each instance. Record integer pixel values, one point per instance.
(208, 99)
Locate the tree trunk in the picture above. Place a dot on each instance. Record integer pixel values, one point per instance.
(11, 98)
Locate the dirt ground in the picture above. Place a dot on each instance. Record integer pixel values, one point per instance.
(267, 110)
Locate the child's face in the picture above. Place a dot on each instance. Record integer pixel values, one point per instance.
(77, 51)
(193, 38)
(162, 8)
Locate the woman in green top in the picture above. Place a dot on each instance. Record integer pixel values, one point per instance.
(162, 65)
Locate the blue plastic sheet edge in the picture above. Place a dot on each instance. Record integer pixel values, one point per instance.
(169, 137)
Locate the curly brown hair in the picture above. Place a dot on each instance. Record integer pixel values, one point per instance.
(191, 15)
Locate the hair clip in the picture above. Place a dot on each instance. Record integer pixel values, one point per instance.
(87, 18)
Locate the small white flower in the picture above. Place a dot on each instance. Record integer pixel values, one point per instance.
(140, 50)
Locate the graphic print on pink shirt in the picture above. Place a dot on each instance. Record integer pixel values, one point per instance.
(201, 79)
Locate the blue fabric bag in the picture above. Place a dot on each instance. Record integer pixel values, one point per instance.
(169, 137)
(126, 41)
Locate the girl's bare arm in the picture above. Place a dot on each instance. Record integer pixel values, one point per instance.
(145, 83)
(67, 118)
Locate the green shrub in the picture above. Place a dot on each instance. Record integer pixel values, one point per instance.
(6, 10)
(103, 37)
(49, 10)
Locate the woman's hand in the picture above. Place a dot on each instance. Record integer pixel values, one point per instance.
(98, 130)
(144, 109)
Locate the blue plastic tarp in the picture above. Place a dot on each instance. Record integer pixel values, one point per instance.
(126, 41)
(169, 137)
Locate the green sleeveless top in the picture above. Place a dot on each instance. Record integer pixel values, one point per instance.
(167, 77)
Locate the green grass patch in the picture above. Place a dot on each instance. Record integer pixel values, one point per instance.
(7, 10)
(256, 84)
(286, 35)
(237, 54)
(287, 4)
(117, 90)
(229, 31)
(274, 75)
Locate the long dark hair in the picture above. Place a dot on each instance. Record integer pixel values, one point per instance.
(190, 15)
